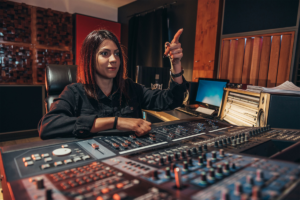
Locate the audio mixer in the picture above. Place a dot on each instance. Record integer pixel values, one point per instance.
(185, 159)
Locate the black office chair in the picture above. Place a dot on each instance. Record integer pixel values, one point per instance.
(56, 79)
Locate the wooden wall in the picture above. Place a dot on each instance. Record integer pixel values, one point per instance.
(263, 60)
(206, 39)
(31, 38)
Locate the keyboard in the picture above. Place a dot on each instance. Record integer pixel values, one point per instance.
(193, 112)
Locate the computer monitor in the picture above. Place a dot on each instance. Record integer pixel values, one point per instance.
(210, 91)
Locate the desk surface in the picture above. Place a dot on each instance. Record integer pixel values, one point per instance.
(170, 115)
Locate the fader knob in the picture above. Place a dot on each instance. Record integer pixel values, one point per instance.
(226, 166)
(200, 161)
(250, 133)
(233, 143)
(224, 142)
(205, 147)
(208, 163)
(155, 175)
(194, 150)
(203, 177)
(216, 144)
(176, 157)
(228, 141)
(219, 169)
(188, 152)
(249, 180)
(213, 155)
(200, 149)
(177, 173)
(168, 172)
(204, 156)
(224, 194)
(256, 193)
(242, 140)
(185, 165)
(211, 173)
(190, 161)
(238, 141)
(220, 143)
(161, 161)
(48, 194)
(259, 175)
(238, 189)
(173, 166)
(233, 167)
(182, 154)
(246, 138)
(221, 152)
(169, 159)
(39, 183)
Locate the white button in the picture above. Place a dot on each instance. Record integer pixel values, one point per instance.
(35, 155)
(45, 155)
(86, 157)
(67, 161)
(58, 163)
(48, 159)
(45, 166)
(37, 158)
(75, 159)
(28, 163)
(64, 145)
(26, 159)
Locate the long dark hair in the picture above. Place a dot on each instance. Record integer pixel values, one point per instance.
(86, 69)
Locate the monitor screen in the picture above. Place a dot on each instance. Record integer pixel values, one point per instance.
(210, 91)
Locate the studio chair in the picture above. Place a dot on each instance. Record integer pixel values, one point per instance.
(56, 79)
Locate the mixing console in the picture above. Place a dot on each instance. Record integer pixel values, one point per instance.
(188, 159)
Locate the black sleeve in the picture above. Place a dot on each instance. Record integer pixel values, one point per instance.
(164, 99)
(61, 120)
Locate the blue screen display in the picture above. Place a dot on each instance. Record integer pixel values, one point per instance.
(210, 92)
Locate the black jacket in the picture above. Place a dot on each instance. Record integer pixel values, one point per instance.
(74, 113)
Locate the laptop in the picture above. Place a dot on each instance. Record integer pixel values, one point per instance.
(208, 96)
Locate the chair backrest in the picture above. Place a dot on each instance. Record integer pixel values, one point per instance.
(57, 78)
(146, 75)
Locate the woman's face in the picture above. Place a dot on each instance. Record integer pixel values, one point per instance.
(107, 60)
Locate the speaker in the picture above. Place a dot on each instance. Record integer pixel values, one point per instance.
(193, 87)
(244, 108)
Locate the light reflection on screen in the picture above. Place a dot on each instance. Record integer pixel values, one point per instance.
(210, 92)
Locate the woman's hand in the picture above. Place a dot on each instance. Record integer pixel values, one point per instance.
(174, 51)
(139, 126)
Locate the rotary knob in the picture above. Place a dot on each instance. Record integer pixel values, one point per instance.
(155, 175)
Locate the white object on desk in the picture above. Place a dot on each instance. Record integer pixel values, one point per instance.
(205, 110)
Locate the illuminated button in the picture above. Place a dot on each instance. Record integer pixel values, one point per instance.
(26, 159)
(86, 157)
(128, 142)
(120, 185)
(35, 155)
(95, 146)
(152, 139)
(105, 190)
(45, 166)
(64, 146)
(115, 145)
(28, 163)
(36, 158)
(138, 143)
(67, 161)
(48, 159)
(132, 136)
(124, 145)
(58, 163)
(45, 155)
(75, 159)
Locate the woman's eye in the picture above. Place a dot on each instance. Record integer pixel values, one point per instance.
(117, 53)
(104, 53)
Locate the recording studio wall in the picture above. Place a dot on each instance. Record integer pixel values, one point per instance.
(182, 14)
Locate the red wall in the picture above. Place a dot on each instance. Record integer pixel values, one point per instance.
(85, 25)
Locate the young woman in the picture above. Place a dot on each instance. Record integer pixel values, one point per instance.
(103, 98)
